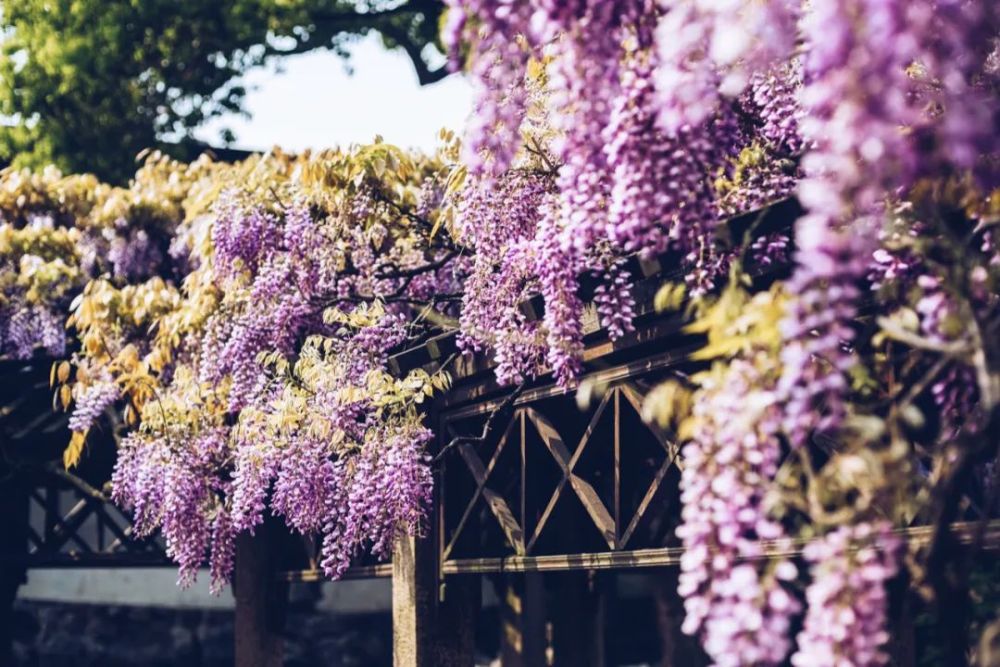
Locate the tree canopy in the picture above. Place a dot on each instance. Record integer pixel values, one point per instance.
(87, 84)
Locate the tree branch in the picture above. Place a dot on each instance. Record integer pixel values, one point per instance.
(425, 75)
(329, 24)
(416, 271)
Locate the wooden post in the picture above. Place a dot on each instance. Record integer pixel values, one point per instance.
(412, 601)
(676, 648)
(261, 602)
(433, 623)
(523, 641)
(577, 620)
(902, 633)
(13, 548)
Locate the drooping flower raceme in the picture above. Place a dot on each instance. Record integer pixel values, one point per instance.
(661, 185)
(498, 34)
(848, 603)
(710, 50)
(622, 183)
(818, 329)
(499, 218)
(91, 404)
(855, 101)
(738, 605)
(265, 386)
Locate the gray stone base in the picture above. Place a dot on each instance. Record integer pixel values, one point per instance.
(79, 635)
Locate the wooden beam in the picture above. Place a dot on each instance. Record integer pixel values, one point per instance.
(658, 362)
(382, 570)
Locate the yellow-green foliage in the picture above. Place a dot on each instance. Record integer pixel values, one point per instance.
(166, 318)
(24, 194)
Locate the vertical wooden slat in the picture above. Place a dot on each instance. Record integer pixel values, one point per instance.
(524, 471)
(616, 427)
(51, 510)
(101, 541)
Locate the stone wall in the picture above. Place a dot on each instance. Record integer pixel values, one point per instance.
(81, 635)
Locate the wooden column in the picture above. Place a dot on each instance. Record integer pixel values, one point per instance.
(676, 647)
(261, 602)
(577, 620)
(523, 640)
(433, 623)
(902, 633)
(13, 549)
(412, 602)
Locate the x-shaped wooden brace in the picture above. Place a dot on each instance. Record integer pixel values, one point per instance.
(498, 506)
(584, 490)
(567, 462)
(64, 529)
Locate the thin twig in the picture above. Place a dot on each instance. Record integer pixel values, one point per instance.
(416, 271)
(77, 483)
(952, 349)
(503, 408)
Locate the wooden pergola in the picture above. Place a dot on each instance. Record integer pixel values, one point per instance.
(528, 484)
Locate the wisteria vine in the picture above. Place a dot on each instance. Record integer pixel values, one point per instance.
(244, 315)
(666, 118)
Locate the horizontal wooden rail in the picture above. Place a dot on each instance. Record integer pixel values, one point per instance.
(654, 363)
(74, 560)
(670, 556)
(966, 532)
(359, 572)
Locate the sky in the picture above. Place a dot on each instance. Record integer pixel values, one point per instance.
(313, 102)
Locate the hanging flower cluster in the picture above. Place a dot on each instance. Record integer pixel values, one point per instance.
(742, 609)
(664, 118)
(245, 315)
(848, 602)
(258, 382)
(580, 108)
